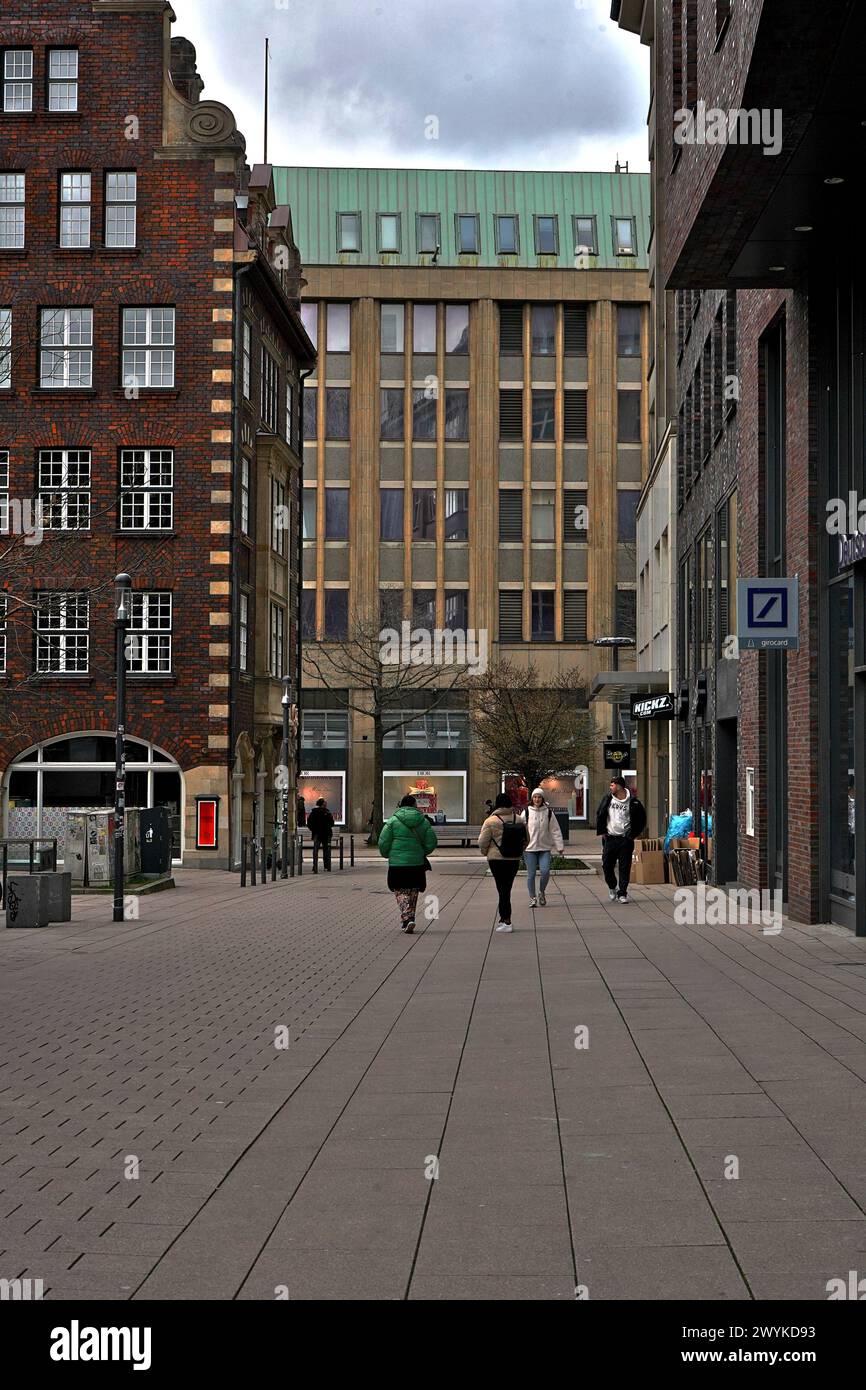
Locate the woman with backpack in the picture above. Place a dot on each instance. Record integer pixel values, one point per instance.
(502, 839)
(543, 839)
(405, 840)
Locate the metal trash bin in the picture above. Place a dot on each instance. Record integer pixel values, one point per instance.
(155, 841)
(562, 817)
(26, 901)
(57, 895)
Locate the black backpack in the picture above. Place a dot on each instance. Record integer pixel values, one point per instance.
(514, 838)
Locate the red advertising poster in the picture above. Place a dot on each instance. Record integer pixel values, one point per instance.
(206, 827)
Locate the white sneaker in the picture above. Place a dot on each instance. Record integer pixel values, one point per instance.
(612, 894)
(542, 900)
(505, 926)
(533, 902)
(623, 898)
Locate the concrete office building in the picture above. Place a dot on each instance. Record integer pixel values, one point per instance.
(476, 438)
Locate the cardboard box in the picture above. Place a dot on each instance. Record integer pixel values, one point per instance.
(648, 866)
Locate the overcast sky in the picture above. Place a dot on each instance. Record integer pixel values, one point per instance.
(548, 84)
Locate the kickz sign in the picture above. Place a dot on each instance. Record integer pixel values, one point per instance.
(653, 706)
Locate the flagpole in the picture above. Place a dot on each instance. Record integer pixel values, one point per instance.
(267, 61)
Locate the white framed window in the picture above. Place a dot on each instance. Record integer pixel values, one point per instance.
(148, 347)
(63, 79)
(348, 231)
(18, 79)
(270, 390)
(64, 489)
(121, 217)
(248, 361)
(389, 231)
(290, 414)
(392, 317)
(75, 197)
(5, 349)
(330, 785)
(2, 633)
(245, 496)
(4, 492)
(624, 241)
(62, 632)
(146, 489)
(12, 196)
(278, 633)
(750, 801)
(66, 357)
(279, 518)
(148, 645)
(243, 631)
(433, 790)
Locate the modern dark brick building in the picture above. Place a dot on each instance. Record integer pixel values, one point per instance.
(757, 233)
(151, 350)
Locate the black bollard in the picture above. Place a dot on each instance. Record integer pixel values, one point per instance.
(351, 851)
(341, 851)
(244, 862)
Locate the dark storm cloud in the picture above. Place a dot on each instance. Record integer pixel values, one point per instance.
(504, 79)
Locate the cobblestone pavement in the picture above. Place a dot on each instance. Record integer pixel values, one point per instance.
(159, 1142)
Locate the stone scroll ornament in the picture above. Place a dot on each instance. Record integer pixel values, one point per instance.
(211, 123)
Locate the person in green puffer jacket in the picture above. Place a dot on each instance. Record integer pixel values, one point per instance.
(406, 839)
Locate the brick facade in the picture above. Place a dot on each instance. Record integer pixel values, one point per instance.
(138, 109)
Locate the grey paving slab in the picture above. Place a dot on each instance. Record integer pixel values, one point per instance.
(305, 1169)
(681, 1272)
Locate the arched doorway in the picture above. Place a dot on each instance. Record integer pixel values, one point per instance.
(76, 772)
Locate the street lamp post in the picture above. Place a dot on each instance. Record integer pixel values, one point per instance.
(122, 593)
(615, 643)
(284, 770)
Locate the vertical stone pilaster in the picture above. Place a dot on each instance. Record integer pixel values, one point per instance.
(560, 520)
(364, 471)
(484, 471)
(527, 472)
(601, 417)
(321, 377)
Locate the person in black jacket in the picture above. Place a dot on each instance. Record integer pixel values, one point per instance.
(620, 820)
(320, 824)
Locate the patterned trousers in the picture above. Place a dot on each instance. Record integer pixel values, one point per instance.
(407, 900)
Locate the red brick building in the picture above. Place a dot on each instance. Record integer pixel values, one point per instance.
(757, 243)
(150, 351)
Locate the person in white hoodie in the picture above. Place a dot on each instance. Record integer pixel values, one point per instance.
(544, 838)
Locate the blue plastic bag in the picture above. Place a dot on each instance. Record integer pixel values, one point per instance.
(679, 826)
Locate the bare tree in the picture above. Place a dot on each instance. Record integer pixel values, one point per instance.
(366, 674)
(524, 725)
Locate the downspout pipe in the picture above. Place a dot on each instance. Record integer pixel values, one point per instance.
(235, 658)
(302, 377)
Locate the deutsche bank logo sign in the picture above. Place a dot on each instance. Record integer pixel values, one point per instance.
(768, 615)
(768, 608)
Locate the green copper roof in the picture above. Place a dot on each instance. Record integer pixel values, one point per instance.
(317, 196)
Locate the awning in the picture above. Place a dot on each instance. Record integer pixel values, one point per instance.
(615, 685)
